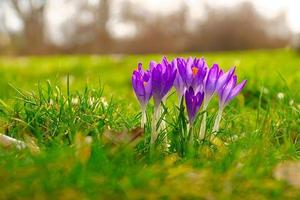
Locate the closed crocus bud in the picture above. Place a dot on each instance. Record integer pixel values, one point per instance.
(211, 80)
(179, 85)
(141, 83)
(215, 80)
(224, 78)
(229, 90)
(193, 103)
(163, 75)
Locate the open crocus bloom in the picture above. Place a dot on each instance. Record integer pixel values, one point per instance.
(193, 103)
(192, 72)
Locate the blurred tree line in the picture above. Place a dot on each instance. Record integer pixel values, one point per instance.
(239, 27)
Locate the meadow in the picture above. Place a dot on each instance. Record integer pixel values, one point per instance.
(80, 110)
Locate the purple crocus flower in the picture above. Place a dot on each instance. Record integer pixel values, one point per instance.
(193, 103)
(141, 83)
(230, 90)
(226, 94)
(215, 80)
(163, 75)
(179, 85)
(192, 72)
(224, 78)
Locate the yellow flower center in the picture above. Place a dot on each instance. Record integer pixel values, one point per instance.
(195, 71)
(145, 83)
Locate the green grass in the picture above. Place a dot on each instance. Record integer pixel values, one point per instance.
(40, 103)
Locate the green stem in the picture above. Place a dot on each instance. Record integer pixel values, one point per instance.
(163, 127)
(191, 135)
(143, 119)
(203, 122)
(163, 122)
(217, 121)
(179, 99)
(154, 123)
(182, 129)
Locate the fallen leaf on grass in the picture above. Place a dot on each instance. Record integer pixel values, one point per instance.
(9, 142)
(289, 172)
(124, 137)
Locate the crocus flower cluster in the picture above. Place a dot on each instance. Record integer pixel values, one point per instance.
(194, 82)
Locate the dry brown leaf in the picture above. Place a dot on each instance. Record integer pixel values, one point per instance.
(288, 171)
(124, 137)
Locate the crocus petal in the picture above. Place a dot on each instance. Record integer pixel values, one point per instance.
(198, 80)
(178, 82)
(189, 64)
(224, 78)
(212, 79)
(136, 84)
(152, 65)
(139, 66)
(163, 76)
(189, 101)
(193, 103)
(140, 91)
(226, 90)
(230, 90)
(182, 70)
(236, 90)
(148, 89)
(192, 72)
(165, 61)
(156, 85)
(141, 83)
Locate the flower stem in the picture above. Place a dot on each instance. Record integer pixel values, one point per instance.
(161, 111)
(203, 127)
(154, 123)
(143, 119)
(163, 127)
(179, 100)
(203, 122)
(191, 135)
(217, 121)
(189, 143)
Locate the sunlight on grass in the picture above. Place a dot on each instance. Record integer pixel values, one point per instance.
(82, 113)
